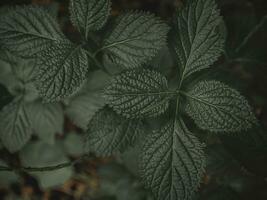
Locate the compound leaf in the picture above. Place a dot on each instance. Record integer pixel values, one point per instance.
(89, 15)
(26, 31)
(61, 70)
(135, 39)
(110, 133)
(172, 162)
(138, 93)
(15, 126)
(218, 108)
(197, 42)
(47, 120)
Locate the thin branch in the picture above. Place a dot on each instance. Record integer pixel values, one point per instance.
(48, 168)
(251, 33)
(42, 169)
(3, 168)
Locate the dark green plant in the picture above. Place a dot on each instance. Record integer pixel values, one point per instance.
(109, 74)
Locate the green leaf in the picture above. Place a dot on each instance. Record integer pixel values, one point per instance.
(15, 126)
(8, 64)
(196, 40)
(62, 69)
(4, 10)
(73, 144)
(163, 62)
(23, 80)
(6, 177)
(5, 97)
(52, 8)
(118, 184)
(135, 39)
(82, 108)
(89, 15)
(172, 162)
(109, 133)
(216, 107)
(130, 157)
(17, 75)
(83, 105)
(46, 119)
(38, 154)
(26, 31)
(139, 93)
(5, 68)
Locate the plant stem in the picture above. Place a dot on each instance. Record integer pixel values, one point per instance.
(3, 168)
(37, 169)
(251, 33)
(98, 64)
(42, 169)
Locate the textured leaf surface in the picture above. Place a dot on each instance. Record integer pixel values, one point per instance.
(135, 39)
(172, 162)
(139, 93)
(39, 154)
(46, 119)
(27, 30)
(216, 107)
(109, 133)
(197, 42)
(89, 15)
(61, 71)
(15, 126)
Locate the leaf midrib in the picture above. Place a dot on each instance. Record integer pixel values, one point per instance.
(146, 94)
(65, 60)
(110, 45)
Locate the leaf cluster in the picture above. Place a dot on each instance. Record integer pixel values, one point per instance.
(113, 107)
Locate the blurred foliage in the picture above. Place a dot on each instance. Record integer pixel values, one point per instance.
(237, 166)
